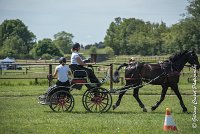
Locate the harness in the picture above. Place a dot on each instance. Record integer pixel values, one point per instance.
(134, 86)
(166, 69)
(136, 69)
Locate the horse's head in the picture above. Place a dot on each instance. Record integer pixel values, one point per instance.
(193, 59)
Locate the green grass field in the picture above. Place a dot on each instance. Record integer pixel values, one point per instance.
(20, 113)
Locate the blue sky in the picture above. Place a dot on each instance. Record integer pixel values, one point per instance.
(87, 20)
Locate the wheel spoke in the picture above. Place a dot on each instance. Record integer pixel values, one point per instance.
(61, 101)
(97, 100)
(96, 108)
(55, 106)
(92, 106)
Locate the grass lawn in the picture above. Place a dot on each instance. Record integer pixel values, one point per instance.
(20, 113)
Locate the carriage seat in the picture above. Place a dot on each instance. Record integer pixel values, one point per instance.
(80, 76)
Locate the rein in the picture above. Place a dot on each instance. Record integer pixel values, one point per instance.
(126, 88)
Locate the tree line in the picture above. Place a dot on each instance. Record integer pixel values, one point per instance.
(124, 36)
(18, 42)
(134, 36)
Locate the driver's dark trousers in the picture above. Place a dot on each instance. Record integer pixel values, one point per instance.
(90, 73)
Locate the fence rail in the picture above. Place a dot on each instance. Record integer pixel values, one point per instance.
(36, 79)
(47, 69)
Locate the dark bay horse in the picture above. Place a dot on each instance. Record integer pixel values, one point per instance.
(165, 74)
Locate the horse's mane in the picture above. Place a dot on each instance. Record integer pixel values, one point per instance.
(177, 56)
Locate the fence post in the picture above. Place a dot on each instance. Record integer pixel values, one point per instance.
(26, 70)
(36, 81)
(111, 77)
(50, 73)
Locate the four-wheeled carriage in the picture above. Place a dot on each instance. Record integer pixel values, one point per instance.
(94, 99)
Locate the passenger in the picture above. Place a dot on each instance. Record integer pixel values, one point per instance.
(77, 63)
(62, 71)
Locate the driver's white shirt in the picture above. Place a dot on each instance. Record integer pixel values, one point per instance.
(73, 58)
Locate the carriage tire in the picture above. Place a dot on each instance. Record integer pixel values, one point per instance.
(61, 101)
(97, 99)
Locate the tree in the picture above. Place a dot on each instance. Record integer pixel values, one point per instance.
(109, 51)
(15, 35)
(45, 46)
(98, 45)
(111, 39)
(134, 36)
(63, 41)
(12, 47)
(185, 35)
(93, 50)
(194, 10)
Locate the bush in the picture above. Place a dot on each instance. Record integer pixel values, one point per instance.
(93, 50)
(46, 56)
(109, 51)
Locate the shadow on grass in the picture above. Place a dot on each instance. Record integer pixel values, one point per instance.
(109, 112)
(176, 112)
(72, 112)
(116, 112)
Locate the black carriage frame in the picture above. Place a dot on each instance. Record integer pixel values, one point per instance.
(96, 99)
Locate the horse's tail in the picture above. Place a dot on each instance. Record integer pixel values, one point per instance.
(116, 73)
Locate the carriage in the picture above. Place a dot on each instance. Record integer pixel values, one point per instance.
(137, 75)
(95, 99)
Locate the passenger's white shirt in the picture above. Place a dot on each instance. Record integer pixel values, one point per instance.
(73, 58)
(62, 73)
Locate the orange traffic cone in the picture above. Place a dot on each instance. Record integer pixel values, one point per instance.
(169, 123)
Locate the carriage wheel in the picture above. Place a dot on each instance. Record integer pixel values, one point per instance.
(62, 101)
(97, 100)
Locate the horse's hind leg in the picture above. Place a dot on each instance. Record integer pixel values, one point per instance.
(119, 100)
(162, 97)
(175, 88)
(135, 94)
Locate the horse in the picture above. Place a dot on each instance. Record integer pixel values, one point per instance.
(165, 74)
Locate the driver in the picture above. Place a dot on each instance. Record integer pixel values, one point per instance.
(77, 63)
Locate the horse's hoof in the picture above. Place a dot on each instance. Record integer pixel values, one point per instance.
(144, 110)
(185, 110)
(153, 108)
(114, 107)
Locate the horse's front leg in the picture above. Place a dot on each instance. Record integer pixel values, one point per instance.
(119, 100)
(176, 90)
(162, 97)
(136, 95)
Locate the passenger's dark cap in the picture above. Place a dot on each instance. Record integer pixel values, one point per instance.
(76, 45)
(62, 60)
